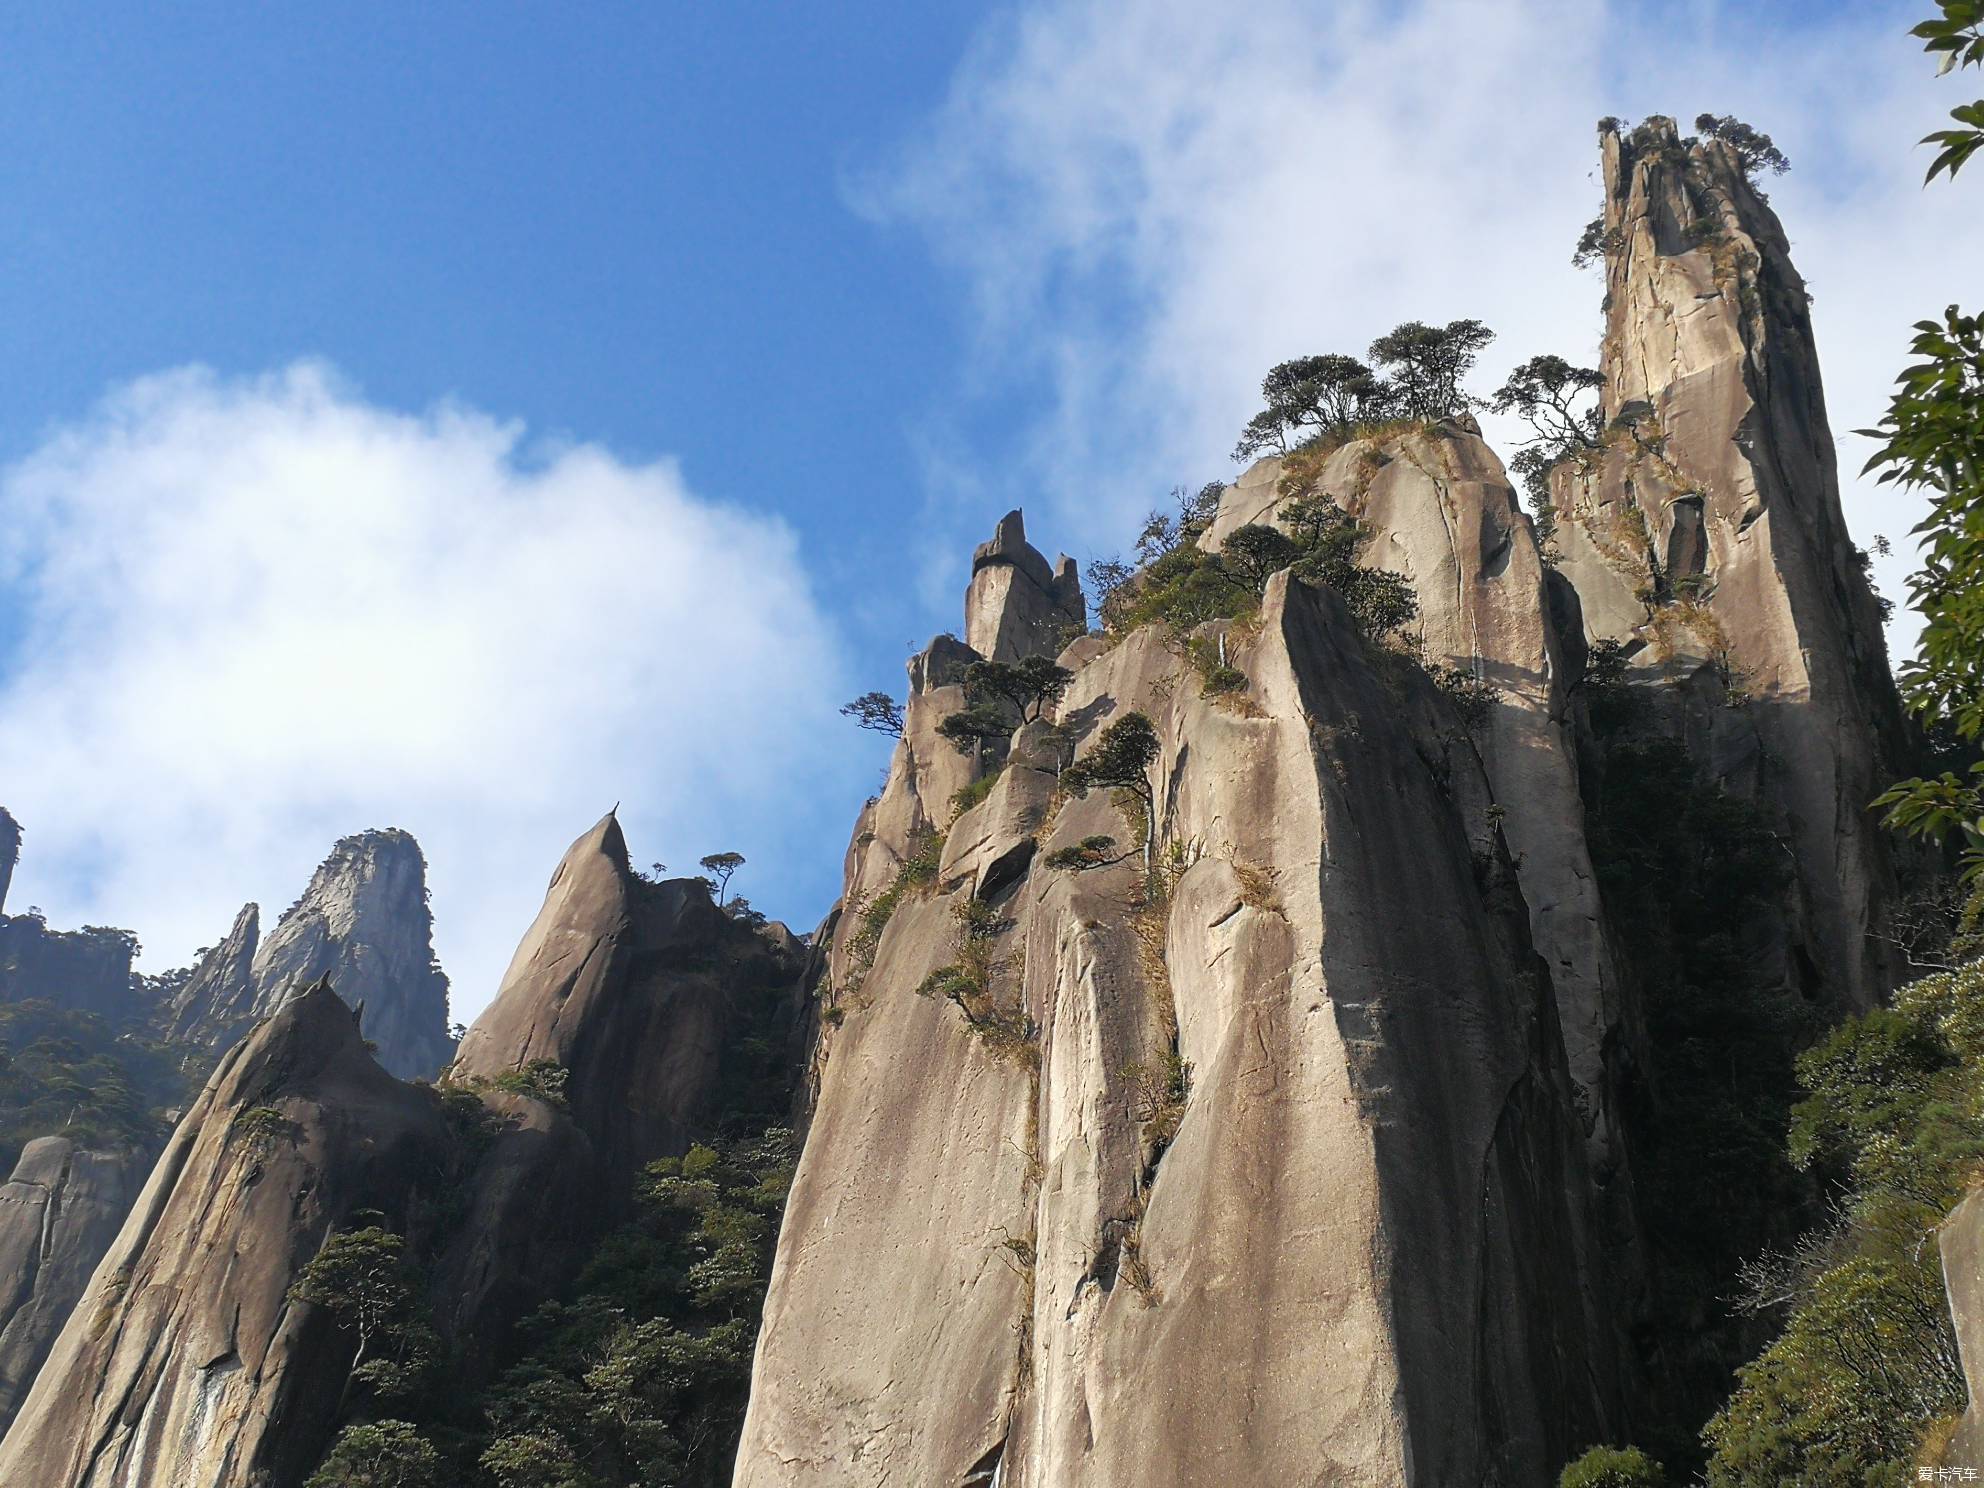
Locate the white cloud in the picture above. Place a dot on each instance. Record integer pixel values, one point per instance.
(1149, 203)
(257, 615)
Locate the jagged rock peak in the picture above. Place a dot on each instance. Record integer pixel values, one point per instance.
(221, 991)
(632, 987)
(187, 1361)
(1706, 536)
(1017, 606)
(364, 923)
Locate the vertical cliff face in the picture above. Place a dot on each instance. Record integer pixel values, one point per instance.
(10, 852)
(1348, 1246)
(59, 1212)
(364, 923)
(1707, 535)
(1443, 515)
(187, 1361)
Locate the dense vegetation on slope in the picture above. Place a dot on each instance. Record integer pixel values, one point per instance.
(69, 1073)
(637, 1374)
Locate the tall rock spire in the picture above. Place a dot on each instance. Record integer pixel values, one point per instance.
(364, 923)
(1707, 536)
(1017, 606)
(10, 852)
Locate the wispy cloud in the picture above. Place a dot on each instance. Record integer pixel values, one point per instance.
(1149, 203)
(260, 614)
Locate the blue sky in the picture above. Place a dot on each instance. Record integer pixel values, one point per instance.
(594, 396)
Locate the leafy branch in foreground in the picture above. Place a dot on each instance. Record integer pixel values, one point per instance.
(1933, 438)
(1957, 37)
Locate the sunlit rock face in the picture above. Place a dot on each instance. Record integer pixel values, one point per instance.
(59, 1213)
(1363, 1254)
(187, 1360)
(1707, 537)
(363, 922)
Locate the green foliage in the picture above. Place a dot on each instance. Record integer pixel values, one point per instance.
(968, 982)
(1933, 437)
(1613, 1467)
(641, 1376)
(1427, 364)
(1472, 698)
(1163, 533)
(1380, 602)
(970, 728)
(1753, 150)
(1595, 242)
(1957, 37)
(720, 867)
(365, 1281)
(69, 1073)
(1182, 589)
(1866, 1362)
(1255, 553)
(1331, 398)
(1550, 395)
(379, 1454)
(967, 796)
(1120, 758)
(541, 1079)
(1687, 870)
(1027, 686)
(1090, 852)
(1158, 1092)
(876, 711)
(1313, 397)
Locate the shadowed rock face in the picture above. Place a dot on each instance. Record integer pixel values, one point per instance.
(1362, 1257)
(58, 1214)
(634, 988)
(1707, 536)
(364, 923)
(186, 1361)
(88, 970)
(641, 993)
(10, 852)
(1443, 515)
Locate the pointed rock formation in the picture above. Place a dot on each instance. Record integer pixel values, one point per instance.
(10, 852)
(1707, 537)
(1017, 606)
(635, 990)
(219, 998)
(187, 1361)
(364, 923)
(58, 1214)
(1290, 1133)
(641, 995)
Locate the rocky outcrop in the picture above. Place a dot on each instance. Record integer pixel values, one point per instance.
(1017, 606)
(59, 1213)
(1706, 536)
(1961, 1244)
(187, 1360)
(10, 852)
(1443, 514)
(86, 971)
(219, 998)
(364, 923)
(642, 1001)
(1341, 1239)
